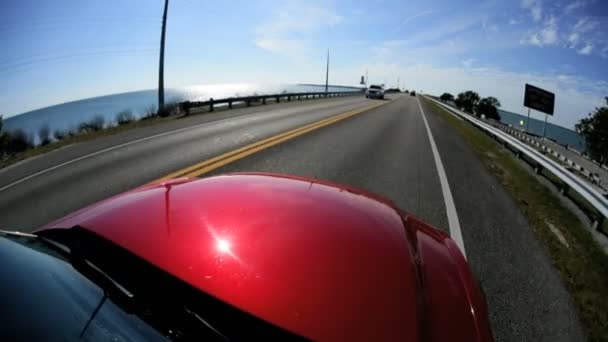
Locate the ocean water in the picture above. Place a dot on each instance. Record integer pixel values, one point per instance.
(560, 134)
(70, 114)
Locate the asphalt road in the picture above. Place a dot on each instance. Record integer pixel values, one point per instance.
(385, 150)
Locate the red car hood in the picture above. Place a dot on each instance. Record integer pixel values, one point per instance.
(326, 262)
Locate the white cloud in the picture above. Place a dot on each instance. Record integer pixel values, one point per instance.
(535, 7)
(585, 38)
(468, 62)
(574, 6)
(584, 25)
(573, 38)
(288, 29)
(546, 36)
(287, 46)
(418, 15)
(586, 50)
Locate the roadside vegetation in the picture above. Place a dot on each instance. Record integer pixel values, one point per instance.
(17, 145)
(470, 102)
(582, 264)
(594, 128)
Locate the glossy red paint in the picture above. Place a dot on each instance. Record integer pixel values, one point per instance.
(326, 262)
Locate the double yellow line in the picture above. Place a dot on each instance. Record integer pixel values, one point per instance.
(240, 153)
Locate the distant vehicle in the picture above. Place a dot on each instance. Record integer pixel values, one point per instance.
(375, 92)
(412, 93)
(239, 257)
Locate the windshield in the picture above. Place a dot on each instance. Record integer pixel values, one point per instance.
(43, 296)
(375, 87)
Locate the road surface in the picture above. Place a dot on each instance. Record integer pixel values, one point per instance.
(387, 150)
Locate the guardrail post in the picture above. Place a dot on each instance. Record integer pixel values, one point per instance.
(248, 102)
(211, 104)
(278, 99)
(288, 98)
(263, 100)
(229, 104)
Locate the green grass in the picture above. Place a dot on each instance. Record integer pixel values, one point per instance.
(82, 138)
(582, 264)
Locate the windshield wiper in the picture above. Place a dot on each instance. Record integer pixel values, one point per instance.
(109, 285)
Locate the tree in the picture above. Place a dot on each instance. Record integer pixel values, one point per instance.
(44, 133)
(489, 107)
(594, 128)
(445, 97)
(467, 101)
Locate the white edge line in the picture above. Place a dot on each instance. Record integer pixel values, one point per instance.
(450, 208)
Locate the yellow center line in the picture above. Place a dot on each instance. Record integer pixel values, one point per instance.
(234, 155)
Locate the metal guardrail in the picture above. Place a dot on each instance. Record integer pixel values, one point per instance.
(187, 106)
(590, 176)
(569, 181)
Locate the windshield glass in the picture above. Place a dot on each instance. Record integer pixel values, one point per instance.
(53, 300)
(375, 87)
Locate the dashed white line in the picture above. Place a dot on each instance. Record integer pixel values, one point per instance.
(450, 208)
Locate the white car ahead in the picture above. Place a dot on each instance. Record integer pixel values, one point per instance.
(375, 92)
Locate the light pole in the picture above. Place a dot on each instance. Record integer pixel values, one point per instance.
(327, 73)
(161, 81)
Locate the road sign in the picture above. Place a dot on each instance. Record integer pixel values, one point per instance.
(539, 99)
(362, 80)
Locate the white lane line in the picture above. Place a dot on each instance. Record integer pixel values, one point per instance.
(450, 208)
(92, 155)
(127, 144)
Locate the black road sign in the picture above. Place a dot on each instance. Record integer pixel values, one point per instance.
(539, 99)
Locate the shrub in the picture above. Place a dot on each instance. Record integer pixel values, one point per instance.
(17, 141)
(124, 117)
(170, 108)
(60, 134)
(150, 113)
(44, 133)
(93, 125)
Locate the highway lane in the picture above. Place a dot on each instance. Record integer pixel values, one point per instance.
(385, 150)
(127, 161)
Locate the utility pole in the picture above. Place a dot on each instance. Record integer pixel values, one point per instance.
(398, 81)
(365, 78)
(327, 73)
(161, 81)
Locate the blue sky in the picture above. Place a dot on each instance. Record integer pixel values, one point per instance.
(61, 50)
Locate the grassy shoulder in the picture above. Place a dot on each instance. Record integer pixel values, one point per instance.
(581, 262)
(69, 140)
